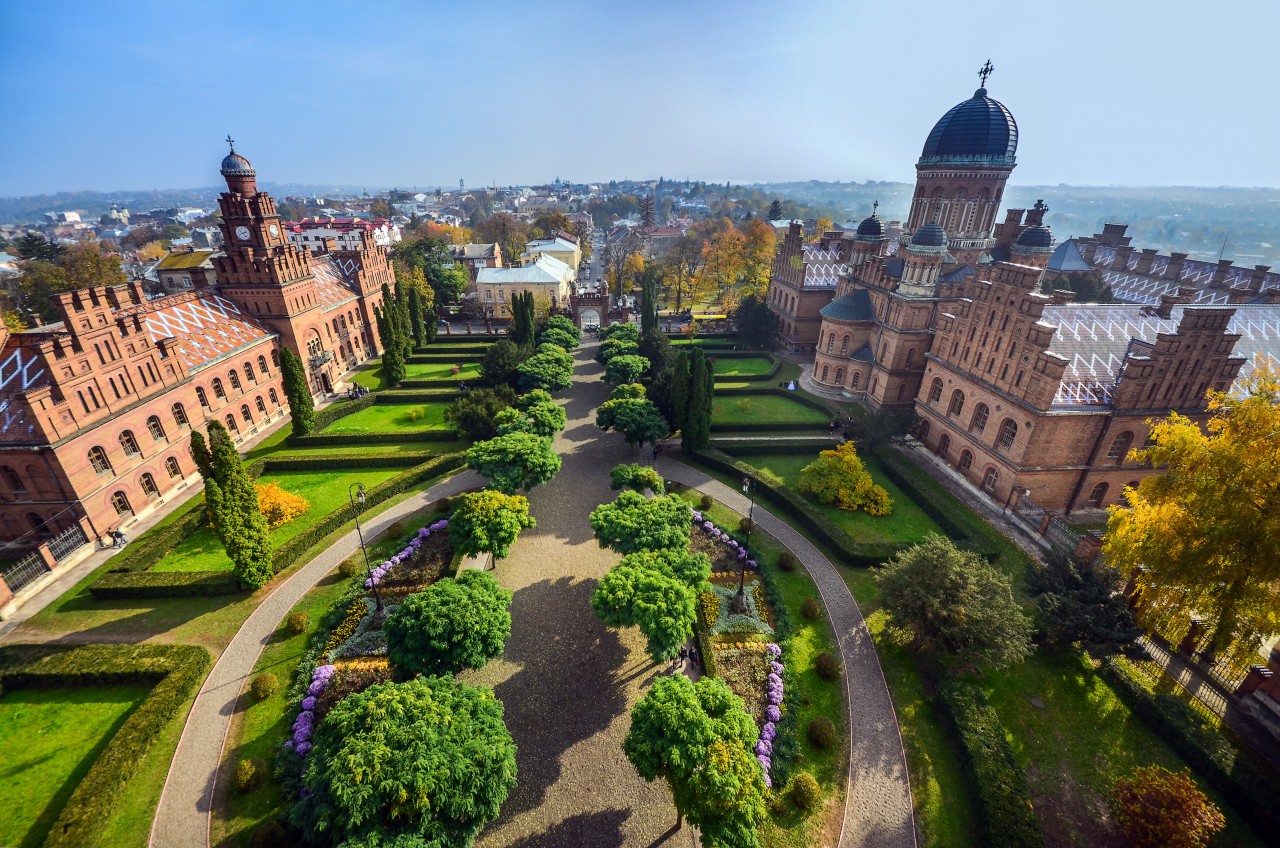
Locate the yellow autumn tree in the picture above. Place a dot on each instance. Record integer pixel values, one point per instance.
(819, 229)
(723, 257)
(760, 243)
(838, 477)
(1205, 529)
(279, 506)
(621, 272)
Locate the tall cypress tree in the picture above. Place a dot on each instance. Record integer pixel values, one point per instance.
(233, 502)
(697, 429)
(390, 327)
(302, 407)
(416, 318)
(680, 390)
(650, 279)
(200, 453)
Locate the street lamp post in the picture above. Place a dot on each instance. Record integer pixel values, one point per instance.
(355, 493)
(739, 603)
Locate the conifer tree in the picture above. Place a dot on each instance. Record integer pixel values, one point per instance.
(390, 328)
(233, 503)
(200, 453)
(680, 389)
(302, 407)
(417, 319)
(697, 428)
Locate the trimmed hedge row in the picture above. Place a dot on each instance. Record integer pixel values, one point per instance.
(401, 396)
(791, 447)
(1000, 789)
(328, 463)
(441, 358)
(478, 348)
(356, 440)
(180, 584)
(768, 426)
(751, 378)
(151, 547)
(341, 409)
(1252, 789)
(174, 672)
(734, 391)
(440, 383)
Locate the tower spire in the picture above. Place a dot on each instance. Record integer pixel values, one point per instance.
(985, 71)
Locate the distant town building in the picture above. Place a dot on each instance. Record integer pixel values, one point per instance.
(185, 269)
(550, 280)
(476, 256)
(346, 233)
(562, 246)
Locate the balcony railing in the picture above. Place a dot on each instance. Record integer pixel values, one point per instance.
(318, 359)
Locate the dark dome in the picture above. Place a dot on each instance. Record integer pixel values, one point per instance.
(930, 235)
(235, 165)
(979, 130)
(1038, 236)
(871, 227)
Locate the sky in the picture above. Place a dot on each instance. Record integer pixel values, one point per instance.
(140, 95)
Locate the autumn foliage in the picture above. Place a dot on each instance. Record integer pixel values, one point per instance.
(279, 506)
(1156, 808)
(838, 477)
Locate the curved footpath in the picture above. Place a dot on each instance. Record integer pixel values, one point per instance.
(184, 814)
(878, 809)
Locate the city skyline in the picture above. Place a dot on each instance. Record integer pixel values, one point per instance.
(427, 95)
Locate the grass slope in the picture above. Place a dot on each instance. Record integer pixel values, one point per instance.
(728, 410)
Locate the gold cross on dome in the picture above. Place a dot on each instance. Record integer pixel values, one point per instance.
(985, 71)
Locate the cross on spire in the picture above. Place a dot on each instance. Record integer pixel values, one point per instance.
(985, 71)
(231, 141)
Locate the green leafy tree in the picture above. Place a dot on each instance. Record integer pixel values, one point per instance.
(233, 502)
(627, 390)
(563, 325)
(451, 625)
(661, 605)
(489, 521)
(625, 369)
(425, 762)
(514, 462)
(633, 522)
(698, 737)
(557, 337)
(81, 266)
(541, 417)
(474, 415)
(302, 406)
(550, 369)
(1079, 603)
(953, 605)
(839, 477)
(692, 569)
(757, 323)
(609, 348)
(638, 419)
(500, 365)
(638, 477)
(621, 331)
(775, 211)
(697, 425)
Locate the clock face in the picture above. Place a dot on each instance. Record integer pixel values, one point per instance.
(242, 233)
(275, 231)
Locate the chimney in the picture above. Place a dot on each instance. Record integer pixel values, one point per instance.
(1220, 274)
(1257, 278)
(1167, 302)
(1144, 261)
(1173, 271)
(1061, 296)
(1121, 263)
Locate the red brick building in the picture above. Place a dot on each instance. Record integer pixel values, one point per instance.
(96, 410)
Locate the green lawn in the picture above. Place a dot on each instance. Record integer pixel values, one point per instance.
(371, 377)
(325, 490)
(907, 522)
(728, 410)
(338, 454)
(391, 418)
(743, 366)
(51, 738)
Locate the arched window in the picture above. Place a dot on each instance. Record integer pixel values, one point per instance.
(38, 525)
(262, 366)
(149, 487)
(155, 428)
(202, 398)
(231, 423)
(248, 372)
(271, 393)
(844, 345)
(824, 373)
(258, 402)
(1098, 495)
(218, 391)
(275, 357)
(129, 443)
(840, 376)
(831, 341)
(120, 503)
(235, 379)
(857, 378)
(1120, 447)
(98, 460)
(957, 403)
(990, 479)
(171, 465)
(944, 445)
(246, 414)
(979, 422)
(966, 460)
(12, 480)
(180, 415)
(911, 357)
(935, 390)
(1008, 432)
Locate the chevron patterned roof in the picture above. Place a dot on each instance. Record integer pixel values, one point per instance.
(207, 326)
(20, 371)
(334, 280)
(822, 268)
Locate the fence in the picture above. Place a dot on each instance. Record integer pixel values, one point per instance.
(1052, 528)
(32, 566)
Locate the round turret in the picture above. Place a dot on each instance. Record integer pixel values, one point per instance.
(931, 235)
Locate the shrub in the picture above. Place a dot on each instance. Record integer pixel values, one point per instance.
(352, 567)
(706, 502)
(249, 774)
(270, 835)
(809, 609)
(827, 666)
(279, 506)
(805, 791)
(787, 561)
(1156, 808)
(264, 685)
(744, 524)
(298, 623)
(822, 732)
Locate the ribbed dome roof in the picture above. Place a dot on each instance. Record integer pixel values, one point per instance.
(980, 130)
(1039, 236)
(235, 165)
(930, 235)
(871, 227)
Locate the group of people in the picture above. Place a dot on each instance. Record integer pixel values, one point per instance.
(356, 391)
(689, 653)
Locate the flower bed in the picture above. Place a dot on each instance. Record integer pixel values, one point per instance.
(754, 622)
(774, 692)
(745, 667)
(411, 553)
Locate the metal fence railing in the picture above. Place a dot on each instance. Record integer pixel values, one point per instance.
(24, 572)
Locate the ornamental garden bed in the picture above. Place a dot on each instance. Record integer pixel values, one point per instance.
(467, 367)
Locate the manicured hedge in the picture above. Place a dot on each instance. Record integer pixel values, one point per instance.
(444, 383)
(151, 547)
(174, 671)
(1250, 787)
(999, 785)
(442, 358)
(356, 440)
(448, 394)
(768, 426)
(165, 584)
(341, 409)
(352, 460)
(789, 447)
(438, 349)
(734, 391)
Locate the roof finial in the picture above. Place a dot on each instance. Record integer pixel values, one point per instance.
(985, 71)
(231, 142)
(874, 206)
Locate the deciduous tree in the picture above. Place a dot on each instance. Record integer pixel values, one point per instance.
(661, 605)
(838, 477)
(80, 266)
(489, 521)
(638, 477)
(1156, 808)
(633, 523)
(515, 462)
(550, 369)
(626, 368)
(638, 419)
(474, 414)
(453, 624)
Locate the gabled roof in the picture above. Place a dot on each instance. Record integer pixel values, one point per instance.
(474, 251)
(546, 270)
(189, 259)
(855, 306)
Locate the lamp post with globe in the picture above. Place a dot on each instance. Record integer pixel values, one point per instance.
(355, 493)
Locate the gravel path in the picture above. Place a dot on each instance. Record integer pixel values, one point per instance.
(878, 809)
(182, 820)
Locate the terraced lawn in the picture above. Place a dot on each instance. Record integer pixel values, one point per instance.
(51, 738)
(469, 369)
(340, 453)
(730, 410)
(747, 366)
(326, 491)
(392, 418)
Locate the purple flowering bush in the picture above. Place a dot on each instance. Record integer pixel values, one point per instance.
(774, 690)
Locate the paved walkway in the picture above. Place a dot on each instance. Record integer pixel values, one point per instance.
(182, 820)
(878, 808)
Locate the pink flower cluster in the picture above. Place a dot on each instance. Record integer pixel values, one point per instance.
(773, 712)
(410, 550)
(739, 549)
(304, 724)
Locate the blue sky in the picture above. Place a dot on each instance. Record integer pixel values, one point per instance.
(138, 95)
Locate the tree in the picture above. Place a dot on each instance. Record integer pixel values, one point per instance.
(201, 456)
(621, 331)
(474, 414)
(633, 523)
(36, 246)
(698, 737)
(661, 605)
(500, 365)
(1156, 808)
(81, 266)
(638, 477)
(561, 324)
(1204, 528)
(430, 256)
(697, 425)
(775, 210)
(820, 228)
(953, 605)
(638, 419)
(507, 231)
(551, 369)
(760, 244)
(616, 346)
(1088, 286)
(540, 414)
(1079, 603)
(522, 323)
(514, 462)
(418, 318)
(647, 217)
(680, 383)
(557, 337)
(838, 477)
(723, 257)
(393, 324)
(489, 521)
(380, 208)
(684, 262)
(233, 503)
(757, 323)
(626, 368)
(278, 505)
(621, 269)
(302, 406)
(650, 280)
(451, 625)
(424, 762)
(627, 390)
